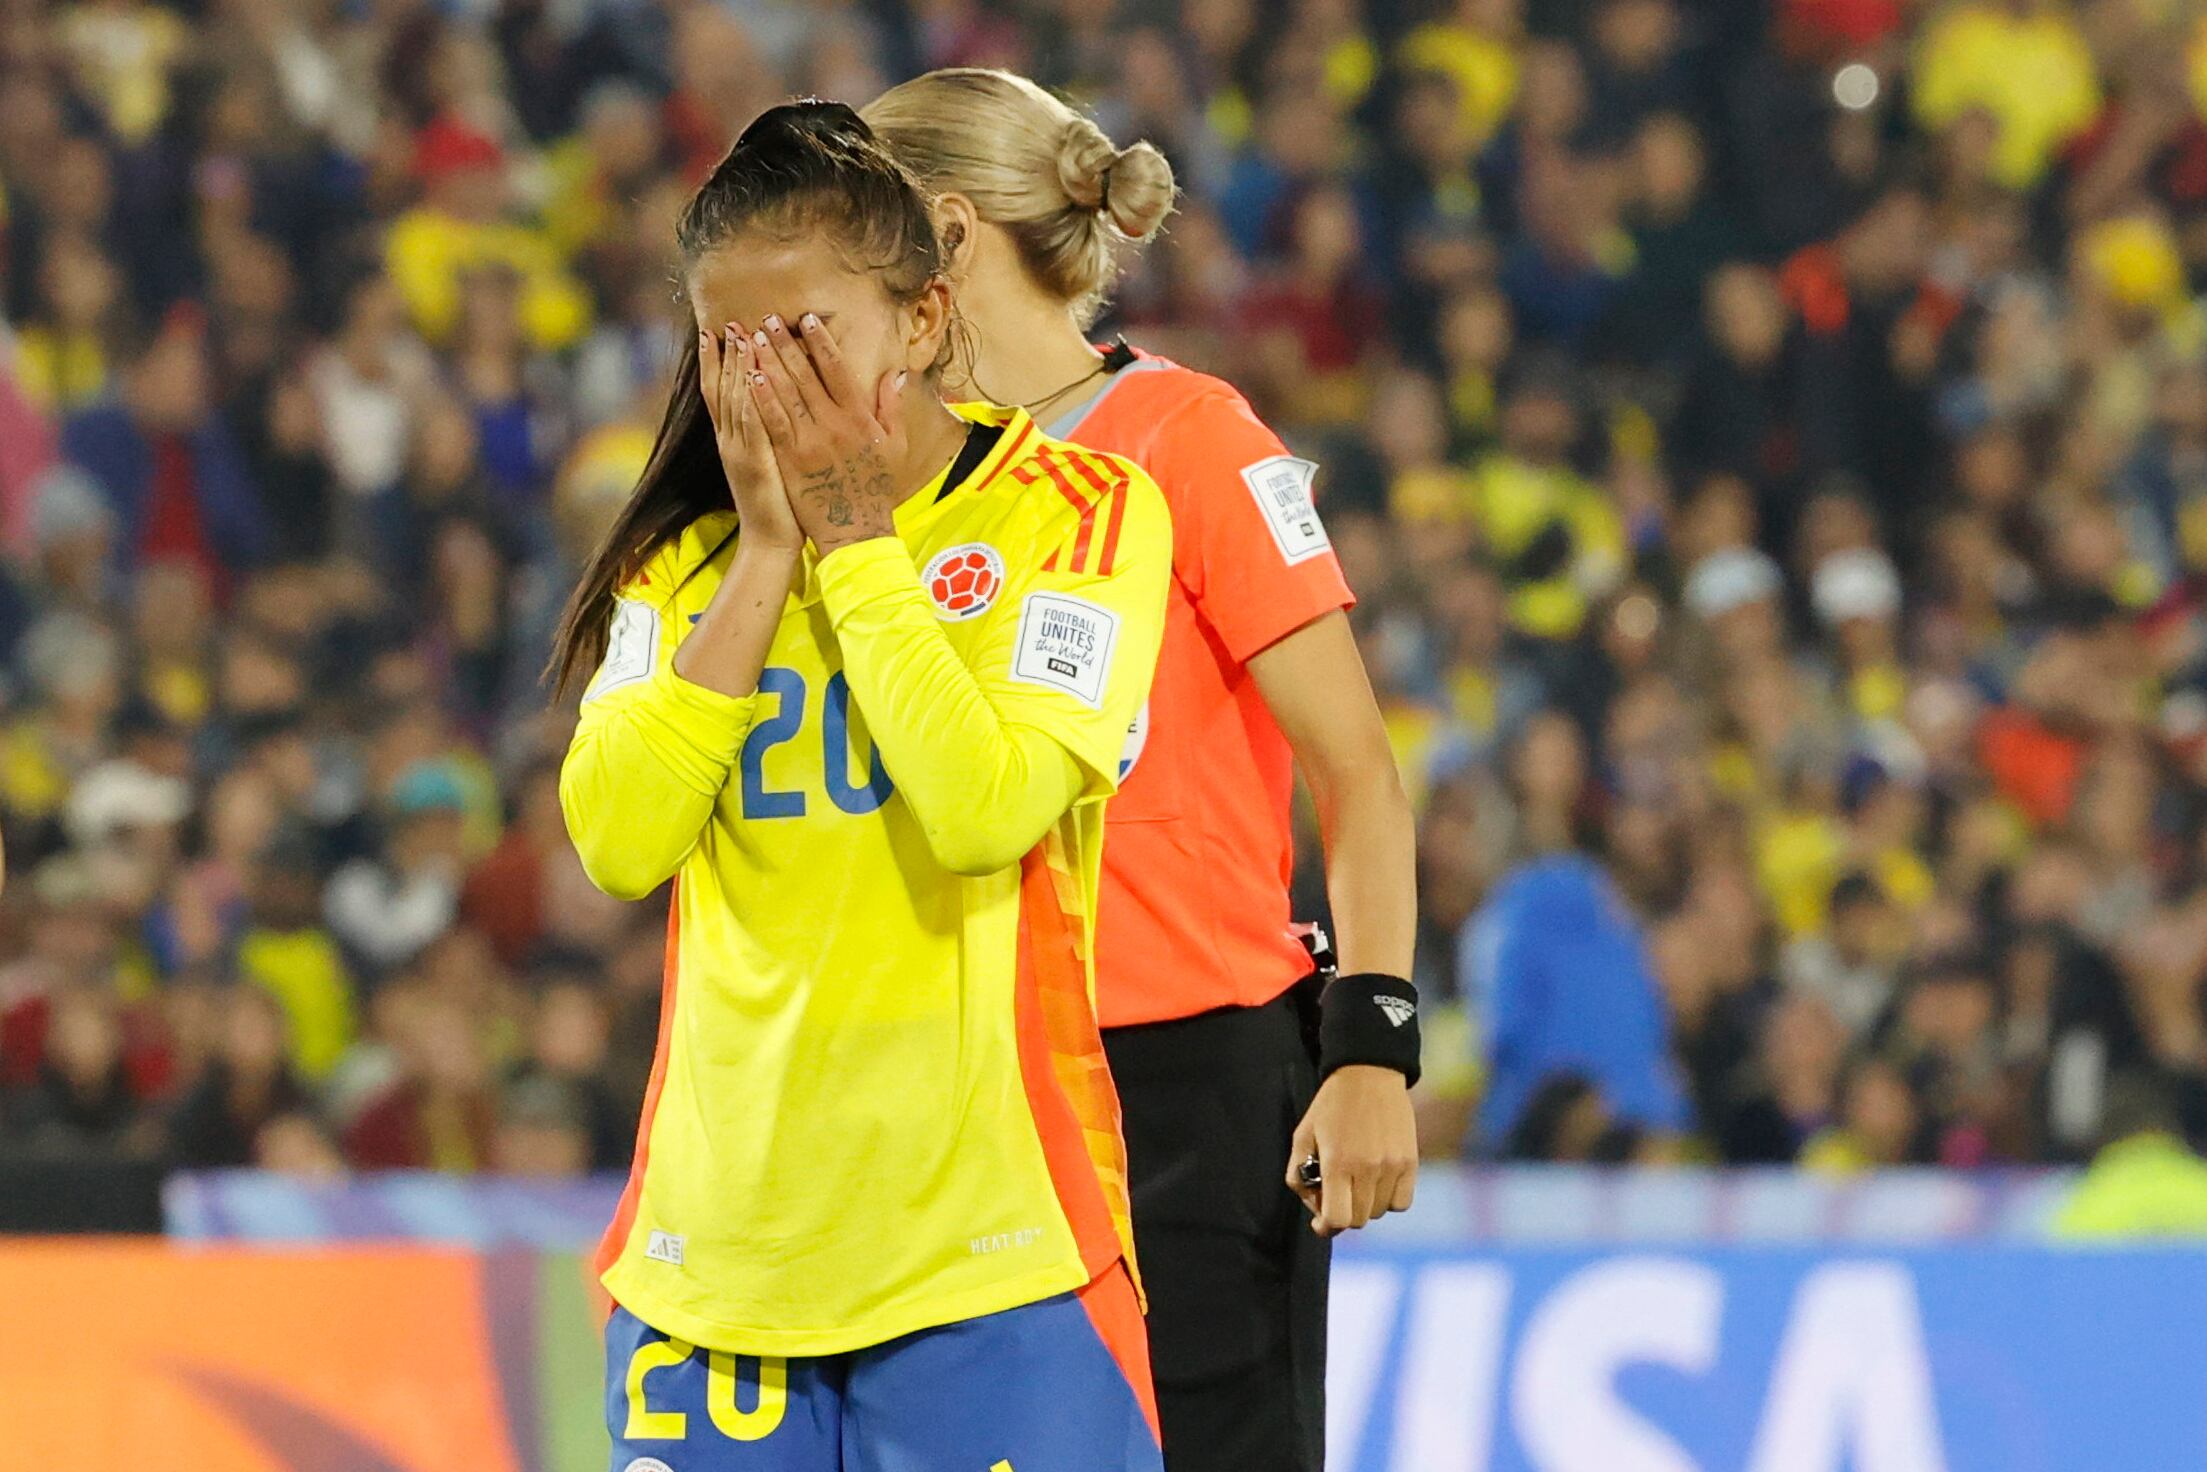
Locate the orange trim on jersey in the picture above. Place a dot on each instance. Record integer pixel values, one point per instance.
(1115, 1309)
(1061, 1061)
(615, 1241)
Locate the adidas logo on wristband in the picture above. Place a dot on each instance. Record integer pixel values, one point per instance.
(1382, 1035)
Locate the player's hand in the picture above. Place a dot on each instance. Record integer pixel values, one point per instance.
(1365, 1135)
(754, 478)
(836, 439)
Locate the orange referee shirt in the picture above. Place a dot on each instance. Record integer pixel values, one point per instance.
(1193, 912)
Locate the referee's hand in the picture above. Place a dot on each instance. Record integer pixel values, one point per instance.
(1364, 1136)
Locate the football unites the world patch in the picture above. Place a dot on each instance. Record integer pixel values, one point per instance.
(1281, 485)
(963, 580)
(1065, 643)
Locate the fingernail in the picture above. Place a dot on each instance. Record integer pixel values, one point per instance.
(808, 321)
(901, 377)
(773, 323)
(759, 338)
(759, 379)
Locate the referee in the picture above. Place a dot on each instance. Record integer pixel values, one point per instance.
(1266, 1105)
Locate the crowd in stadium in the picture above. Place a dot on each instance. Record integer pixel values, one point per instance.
(1768, 440)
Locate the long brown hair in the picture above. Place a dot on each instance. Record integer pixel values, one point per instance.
(802, 168)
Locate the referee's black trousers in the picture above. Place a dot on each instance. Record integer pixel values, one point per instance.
(1236, 1278)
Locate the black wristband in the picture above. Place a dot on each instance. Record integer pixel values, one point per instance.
(1368, 1018)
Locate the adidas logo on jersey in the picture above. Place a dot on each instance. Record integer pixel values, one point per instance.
(1398, 1011)
(664, 1247)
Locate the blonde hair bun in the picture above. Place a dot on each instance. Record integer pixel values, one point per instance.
(1141, 191)
(1133, 186)
(1033, 166)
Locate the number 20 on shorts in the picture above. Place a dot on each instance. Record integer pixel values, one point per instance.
(728, 1418)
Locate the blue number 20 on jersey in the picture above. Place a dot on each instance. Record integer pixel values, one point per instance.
(787, 690)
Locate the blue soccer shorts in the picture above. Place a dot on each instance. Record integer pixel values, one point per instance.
(1057, 1386)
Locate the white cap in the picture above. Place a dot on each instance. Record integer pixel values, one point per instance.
(1857, 583)
(1731, 578)
(119, 794)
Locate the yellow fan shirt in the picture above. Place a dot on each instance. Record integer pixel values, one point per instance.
(880, 1101)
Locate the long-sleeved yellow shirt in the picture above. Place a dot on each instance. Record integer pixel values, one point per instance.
(880, 1102)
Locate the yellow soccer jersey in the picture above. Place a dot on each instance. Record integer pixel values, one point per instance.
(880, 1101)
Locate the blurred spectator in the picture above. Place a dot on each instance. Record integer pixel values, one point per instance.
(170, 466)
(1879, 1122)
(570, 1038)
(248, 1085)
(1679, 237)
(1568, 1122)
(282, 949)
(540, 1131)
(463, 224)
(83, 1100)
(1788, 1092)
(387, 908)
(440, 1113)
(1557, 969)
(1312, 323)
(61, 357)
(1556, 537)
(505, 896)
(370, 383)
(1850, 962)
(1735, 403)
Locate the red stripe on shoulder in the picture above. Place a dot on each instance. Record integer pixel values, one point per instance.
(1110, 554)
(1019, 441)
(1110, 482)
(1051, 462)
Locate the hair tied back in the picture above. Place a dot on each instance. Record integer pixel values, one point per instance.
(1085, 161)
(1130, 187)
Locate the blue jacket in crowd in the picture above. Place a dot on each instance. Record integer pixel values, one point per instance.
(1555, 971)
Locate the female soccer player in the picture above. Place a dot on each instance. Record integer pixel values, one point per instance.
(865, 665)
(1196, 970)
